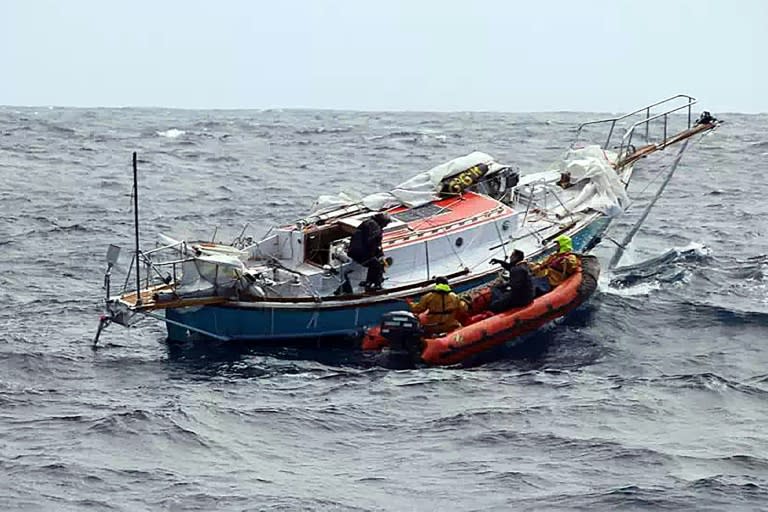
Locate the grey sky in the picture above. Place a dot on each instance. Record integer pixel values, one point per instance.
(385, 55)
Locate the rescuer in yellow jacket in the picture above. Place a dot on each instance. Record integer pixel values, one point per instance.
(442, 307)
(559, 266)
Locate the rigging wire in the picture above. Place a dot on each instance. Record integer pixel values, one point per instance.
(658, 175)
(631, 234)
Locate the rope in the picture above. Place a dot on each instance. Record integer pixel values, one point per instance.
(501, 239)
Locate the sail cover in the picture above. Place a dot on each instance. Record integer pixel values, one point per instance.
(418, 190)
(602, 190)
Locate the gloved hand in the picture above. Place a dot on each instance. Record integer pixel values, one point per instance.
(494, 261)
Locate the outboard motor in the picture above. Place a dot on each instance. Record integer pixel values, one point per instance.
(403, 331)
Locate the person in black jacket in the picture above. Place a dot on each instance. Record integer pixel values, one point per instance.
(517, 290)
(365, 249)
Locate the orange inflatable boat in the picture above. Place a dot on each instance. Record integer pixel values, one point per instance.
(401, 331)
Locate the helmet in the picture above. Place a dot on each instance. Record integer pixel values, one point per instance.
(564, 243)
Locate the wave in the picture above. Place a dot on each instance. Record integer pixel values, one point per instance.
(322, 130)
(763, 144)
(751, 269)
(222, 159)
(209, 124)
(310, 420)
(47, 126)
(702, 314)
(722, 485)
(405, 133)
(69, 228)
(72, 228)
(594, 449)
(632, 497)
(228, 405)
(670, 267)
(710, 382)
(691, 253)
(704, 381)
(140, 422)
(627, 287)
(719, 492)
(171, 133)
(409, 136)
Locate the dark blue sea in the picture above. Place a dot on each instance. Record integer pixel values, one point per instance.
(652, 396)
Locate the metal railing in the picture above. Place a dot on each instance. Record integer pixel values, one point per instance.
(669, 105)
(153, 274)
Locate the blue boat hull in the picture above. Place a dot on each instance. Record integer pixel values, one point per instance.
(251, 322)
(291, 321)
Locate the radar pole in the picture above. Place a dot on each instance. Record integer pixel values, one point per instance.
(136, 227)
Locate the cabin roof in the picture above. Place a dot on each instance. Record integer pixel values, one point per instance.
(441, 218)
(442, 213)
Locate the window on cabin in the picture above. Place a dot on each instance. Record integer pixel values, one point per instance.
(420, 212)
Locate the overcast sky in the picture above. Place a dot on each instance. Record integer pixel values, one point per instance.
(534, 55)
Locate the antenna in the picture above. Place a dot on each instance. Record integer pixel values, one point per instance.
(136, 226)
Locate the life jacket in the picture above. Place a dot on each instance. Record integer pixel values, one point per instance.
(447, 305)
(558, 267)
(442, 306)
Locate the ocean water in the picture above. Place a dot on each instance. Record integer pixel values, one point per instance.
(653, 396)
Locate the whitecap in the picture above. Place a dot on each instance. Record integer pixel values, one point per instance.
(696, 248)
(171, 133)
(636, 290)
(639, 290)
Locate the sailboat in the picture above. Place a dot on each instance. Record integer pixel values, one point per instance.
(298, 283)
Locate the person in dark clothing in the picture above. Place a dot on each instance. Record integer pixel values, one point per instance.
(516, 257)
(517, 290)
(365, 249)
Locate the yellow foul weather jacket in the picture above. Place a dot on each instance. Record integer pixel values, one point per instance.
(557, 267)
(442, 306)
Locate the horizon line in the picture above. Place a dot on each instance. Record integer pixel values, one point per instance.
(337, 109)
